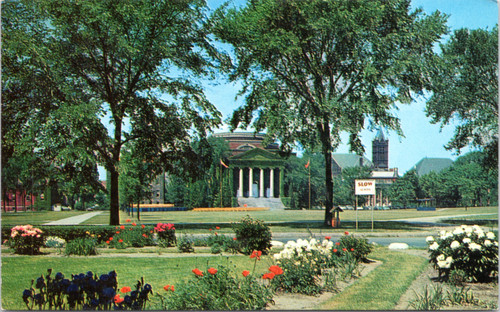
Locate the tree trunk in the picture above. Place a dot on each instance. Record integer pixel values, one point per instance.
(327, 154)
(114, 204)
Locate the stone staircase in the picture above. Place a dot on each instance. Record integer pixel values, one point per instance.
(271, 203)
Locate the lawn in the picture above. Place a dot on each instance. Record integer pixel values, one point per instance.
(36, 217)
(381, 288)
(18, 271)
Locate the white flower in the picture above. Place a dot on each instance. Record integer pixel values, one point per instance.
(454, 244)
(490, 235)
(434, 246)
(445, 263)
(458, 231)
(479, 234)
(429, 239)
(487, 243)
(440, 257)
(474, 246)
(466, 240)
(468, 229)
(277, 256)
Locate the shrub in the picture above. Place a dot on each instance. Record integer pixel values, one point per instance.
(84, 292)
(218, 289)
(130, 236)
(184, 244)
(81, 247)
(166, 232)
(26, 239)
(359, 247)
(252, 235)
(467, 248)
(220, 242)
(54, 242)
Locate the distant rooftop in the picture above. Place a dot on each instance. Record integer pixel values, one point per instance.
(351, 160)
(427, 165)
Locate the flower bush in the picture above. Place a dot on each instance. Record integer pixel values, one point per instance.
(131, 235)
(26, 239)
(166, 232)
(466, 249)
(252, 235)
(81, 247)
(84, 292)
(218, 289)
(54, 242)
(359, 247)
(220, 242)
(305, 261)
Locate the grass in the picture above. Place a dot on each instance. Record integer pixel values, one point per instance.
(36, 217)
(382, 288)
(18, 271)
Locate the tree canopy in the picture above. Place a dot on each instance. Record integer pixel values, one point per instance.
(83, 78)
(465, 89)
(312, 69)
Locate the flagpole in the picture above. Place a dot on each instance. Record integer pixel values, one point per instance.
(309, 167)
(220, 165)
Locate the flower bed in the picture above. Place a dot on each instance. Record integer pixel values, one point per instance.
(26, 239)
(466, 251)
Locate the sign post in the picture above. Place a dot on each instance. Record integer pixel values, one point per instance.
(363, 187)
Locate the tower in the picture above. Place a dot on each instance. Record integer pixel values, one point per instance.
(380, 151)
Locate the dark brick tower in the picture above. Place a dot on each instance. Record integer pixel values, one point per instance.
(380, 151)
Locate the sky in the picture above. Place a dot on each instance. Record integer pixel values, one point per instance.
(421, 138)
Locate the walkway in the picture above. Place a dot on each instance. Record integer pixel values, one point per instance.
(75, 220)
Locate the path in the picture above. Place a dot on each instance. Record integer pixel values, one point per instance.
(75, 220)
(436, 219)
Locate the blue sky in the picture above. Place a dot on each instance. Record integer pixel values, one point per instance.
(422, 139)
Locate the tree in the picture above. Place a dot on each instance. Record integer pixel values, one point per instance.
(465, 88)
(345, 194)
(98, 74)
(403, 191)
(312, 69)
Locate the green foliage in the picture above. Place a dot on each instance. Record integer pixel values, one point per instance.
(54, 242)
(468, 249)
(344, 185)
(130, 236)
(26, 239)
(185, 244)
(358, 247)
(465, 87)
(81, 247)
(219, 290)
(252, 235)
(297, 180)
(430, 299)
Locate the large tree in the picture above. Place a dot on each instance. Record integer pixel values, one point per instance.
(83, 78)
(465, 89)
(313, 69)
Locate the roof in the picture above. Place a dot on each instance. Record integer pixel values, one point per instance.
(427, 165)
(350, 160)
(380, 135)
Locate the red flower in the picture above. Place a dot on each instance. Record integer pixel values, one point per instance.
(335, 250)
(217, 228)
(111, 238)
(128, 220)
(166, 287)
(269, 276)
(256, 254)
(276, 269)
(151, 232)
(215, 233)
(210, 230)
(197, 272)
(234, 238)
(344, 249)
(245, 273)
(352, 249)
(143, 226)
(172, 288)
(116, 227)
(144, 235)
(328, 237)
(212, 271)
(134, 224)
(107, 242)
(125, 289)
(337, 243)
(118, 299)
(117, 232)
(346, 233)
(120, 240)
(122, 227)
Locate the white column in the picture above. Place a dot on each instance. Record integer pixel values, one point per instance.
(261, 193)
(271, 179)
(240, 188)
(250, 182)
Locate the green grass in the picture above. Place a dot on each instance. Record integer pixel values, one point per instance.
(381, 288)
(18, 271)
(36, 217)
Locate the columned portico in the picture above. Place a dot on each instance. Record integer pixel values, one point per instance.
(259, 172)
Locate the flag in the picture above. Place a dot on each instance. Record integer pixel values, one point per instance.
(307, 165)
(222, 163)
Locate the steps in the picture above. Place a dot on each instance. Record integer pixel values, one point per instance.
(271, 203)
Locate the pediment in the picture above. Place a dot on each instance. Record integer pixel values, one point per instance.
(256, 154)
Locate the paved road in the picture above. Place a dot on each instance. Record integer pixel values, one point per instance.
(75, 220)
